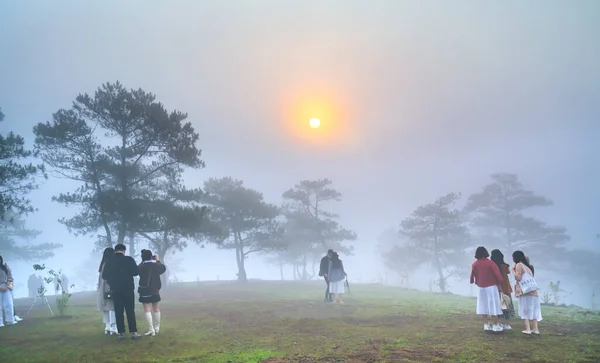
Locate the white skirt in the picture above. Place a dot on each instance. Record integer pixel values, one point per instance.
(488, 301)
(336, 287)
(530, 308)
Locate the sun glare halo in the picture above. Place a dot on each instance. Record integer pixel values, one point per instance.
(314, 123)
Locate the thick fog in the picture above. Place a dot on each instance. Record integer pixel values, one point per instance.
(424, 98)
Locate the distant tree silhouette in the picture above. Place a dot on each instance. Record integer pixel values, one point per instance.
(16, 242)
(497, 213)
(436, 234)
(310, 230)
(247, 222)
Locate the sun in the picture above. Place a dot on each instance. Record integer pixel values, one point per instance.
(314, 123)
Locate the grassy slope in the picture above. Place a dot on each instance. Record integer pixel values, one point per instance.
(276, 322)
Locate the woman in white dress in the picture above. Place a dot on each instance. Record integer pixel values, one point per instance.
(530, 309)
(104, 301)
(486, 275)
(336, 275)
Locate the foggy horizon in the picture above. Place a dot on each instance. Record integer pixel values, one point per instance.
(427, 99)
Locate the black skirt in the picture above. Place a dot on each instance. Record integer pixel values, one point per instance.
(149, 299)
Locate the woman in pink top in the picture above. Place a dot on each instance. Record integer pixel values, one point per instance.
(486, 275)
(529, 304)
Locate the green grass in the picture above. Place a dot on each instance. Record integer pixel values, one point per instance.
(287, 322)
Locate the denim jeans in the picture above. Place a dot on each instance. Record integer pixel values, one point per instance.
(7, 306)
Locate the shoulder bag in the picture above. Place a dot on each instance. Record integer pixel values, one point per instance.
(144, 290)
(527, 283)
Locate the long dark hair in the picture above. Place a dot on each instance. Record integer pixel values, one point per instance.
(109, 252)
(519, 257)
(498, 258)
(3, 265)
(335, 261)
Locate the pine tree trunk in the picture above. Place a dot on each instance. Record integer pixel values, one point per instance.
(132, 244)
(241, 275)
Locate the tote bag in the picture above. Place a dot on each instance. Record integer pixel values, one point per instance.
(527, 282)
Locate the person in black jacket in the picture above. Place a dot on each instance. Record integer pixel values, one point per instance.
(119, 272)
(324, 270)
(150, 270)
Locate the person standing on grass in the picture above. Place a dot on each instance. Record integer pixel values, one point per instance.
(119, 272)
(323, 271)
(150, 270)
(336, 275)
(6, 299)
(529, 304)
(104, 301)
(498, 258)
(486, 275)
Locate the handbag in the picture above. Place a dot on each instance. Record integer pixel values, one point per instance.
(504, 301)
(528, 283)
(143, 290)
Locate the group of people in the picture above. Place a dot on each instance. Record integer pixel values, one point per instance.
(37, 286)
(7, 284)
(116, 291)
(494, 302)
(332, 270)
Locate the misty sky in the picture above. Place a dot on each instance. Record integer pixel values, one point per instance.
(429, 97)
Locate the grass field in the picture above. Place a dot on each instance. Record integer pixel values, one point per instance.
(288, 322)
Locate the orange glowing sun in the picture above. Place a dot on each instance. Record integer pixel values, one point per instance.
(314, 123)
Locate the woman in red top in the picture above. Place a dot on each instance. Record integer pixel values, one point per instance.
(486, 275)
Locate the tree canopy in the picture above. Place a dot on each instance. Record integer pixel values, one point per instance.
(116, 144)
(170, 215)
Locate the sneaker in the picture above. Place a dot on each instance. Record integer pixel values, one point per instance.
(487, 327)
(528, 332)
(536, 332)
(17, 318)
(157, 328)
(135, 335)
(151, 332)
(1, 325)
(507, 327)
(12, 323)
(497, 328)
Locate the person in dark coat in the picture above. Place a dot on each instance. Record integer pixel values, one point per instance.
(150, 270)
(324, 271)
(119, 272)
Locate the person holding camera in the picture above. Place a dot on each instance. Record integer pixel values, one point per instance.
(150, 270)
(119, 272)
